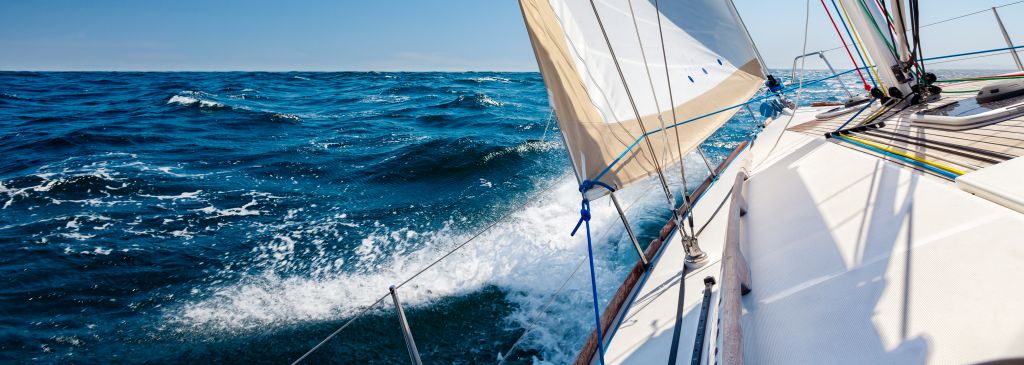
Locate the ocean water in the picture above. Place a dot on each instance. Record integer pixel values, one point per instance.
(242, 217)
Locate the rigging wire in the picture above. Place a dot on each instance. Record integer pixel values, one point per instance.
(632, 103)
(967, 15)
(551, 116)
(671, 100)
(337, 331)
(654, 95)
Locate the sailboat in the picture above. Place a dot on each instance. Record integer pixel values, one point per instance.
(886, 229)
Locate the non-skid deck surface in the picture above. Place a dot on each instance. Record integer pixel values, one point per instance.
(855, 260)
(966, 150)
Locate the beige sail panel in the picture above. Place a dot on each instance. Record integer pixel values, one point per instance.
(602, 144)
(597, 94)
(566, 91)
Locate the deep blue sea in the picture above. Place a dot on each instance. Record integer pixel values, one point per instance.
(242, 217)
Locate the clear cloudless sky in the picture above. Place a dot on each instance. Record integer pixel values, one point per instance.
(389, 35)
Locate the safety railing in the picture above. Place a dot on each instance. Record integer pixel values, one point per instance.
(821, 54)
(735, 280)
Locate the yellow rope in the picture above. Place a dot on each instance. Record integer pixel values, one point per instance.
(929, 163)
(867, 57)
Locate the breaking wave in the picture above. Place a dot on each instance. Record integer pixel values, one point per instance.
(196, 99)
(475, 101)
(530, 253)
(206, 101)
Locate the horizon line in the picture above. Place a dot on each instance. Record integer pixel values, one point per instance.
(388, 71)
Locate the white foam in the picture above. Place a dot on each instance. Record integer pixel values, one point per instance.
(193, 98)
(486, 100)
(77, 236)
(493, 79)
(533, 146)
(240, 211)
(186, 195)
(389, 99)
(528, 256)
(285, 117)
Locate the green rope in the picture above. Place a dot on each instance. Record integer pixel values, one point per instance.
(983, 79)
(875, 24)
(960, 91)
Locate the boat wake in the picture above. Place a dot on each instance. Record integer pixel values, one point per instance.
(528, 256)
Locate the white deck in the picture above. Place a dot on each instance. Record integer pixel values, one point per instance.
(853, 259)
(1002, 183)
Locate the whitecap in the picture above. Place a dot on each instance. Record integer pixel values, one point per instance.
(486, 100)
(193, 98)
(491, 79)
(240, 211)
(77, 236)
(388, 99)
(531, 146)
(186, 195)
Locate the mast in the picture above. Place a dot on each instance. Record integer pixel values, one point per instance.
(898, 22)
(869, 21)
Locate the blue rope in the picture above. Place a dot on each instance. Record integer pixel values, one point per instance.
(850, 36)
(858, 113)
(585, 216)
(585, 220)
(971, 53)
(768, 96)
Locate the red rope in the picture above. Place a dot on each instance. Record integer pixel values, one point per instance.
(843, 40)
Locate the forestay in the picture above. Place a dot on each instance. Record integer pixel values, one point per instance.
(710, 64)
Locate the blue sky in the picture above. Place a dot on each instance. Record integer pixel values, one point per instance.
(413, 35)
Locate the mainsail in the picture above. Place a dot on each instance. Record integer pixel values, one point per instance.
(616, 68)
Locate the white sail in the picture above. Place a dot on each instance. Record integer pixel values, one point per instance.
(710, 63)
